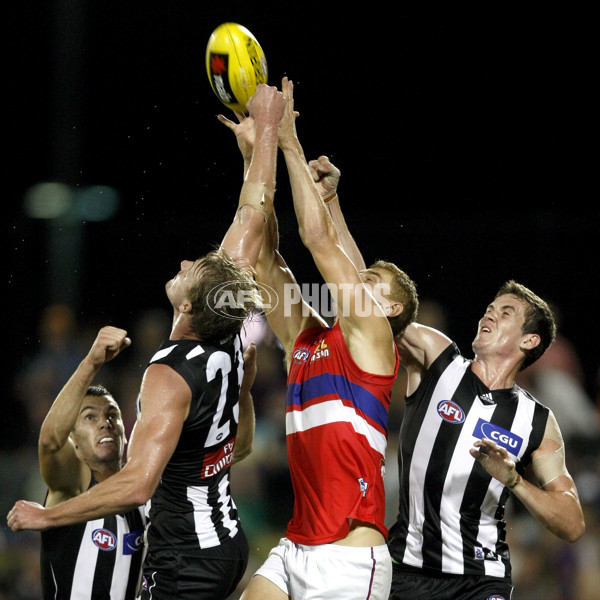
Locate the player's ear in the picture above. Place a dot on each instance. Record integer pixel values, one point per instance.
(393, 309)
(185, 307)
(530, 341)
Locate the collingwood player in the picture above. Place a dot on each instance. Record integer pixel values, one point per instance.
(81, 443)
(190, 426)
(467, 436)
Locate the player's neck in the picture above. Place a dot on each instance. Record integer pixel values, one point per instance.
(181, 328)
(496, 375)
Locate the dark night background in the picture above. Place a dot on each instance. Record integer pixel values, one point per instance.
(463, 140)
(467, 141)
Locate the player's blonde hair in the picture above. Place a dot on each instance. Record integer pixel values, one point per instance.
(403, 290)
(213, 321)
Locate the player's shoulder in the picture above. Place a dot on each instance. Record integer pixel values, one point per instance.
(421, 343)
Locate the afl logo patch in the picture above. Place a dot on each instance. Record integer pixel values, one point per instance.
(104, 539)
(451, 412)
(301, 355)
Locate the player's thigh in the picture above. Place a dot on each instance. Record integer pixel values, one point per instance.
(261, 588)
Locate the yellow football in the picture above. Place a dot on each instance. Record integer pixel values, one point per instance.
(235, 64)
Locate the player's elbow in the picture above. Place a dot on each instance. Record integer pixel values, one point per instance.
(317, 238)
(575, 533)
(140, 493)
(241, 454)
(570, 530)
(48, 445)
(138, 486)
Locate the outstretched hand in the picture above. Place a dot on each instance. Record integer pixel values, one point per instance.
(287, 126)
(495, 460)
(267, 104)
(244, 132)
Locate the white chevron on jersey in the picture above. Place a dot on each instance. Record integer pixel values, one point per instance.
(334, 411)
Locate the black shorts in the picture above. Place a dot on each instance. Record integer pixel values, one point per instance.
(420, 586)
(211, 574)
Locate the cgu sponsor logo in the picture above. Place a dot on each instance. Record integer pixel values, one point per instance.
(451, 412)
(104, 539)
(133, 541)
(503, 437)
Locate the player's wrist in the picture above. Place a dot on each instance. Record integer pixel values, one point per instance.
(515, 482)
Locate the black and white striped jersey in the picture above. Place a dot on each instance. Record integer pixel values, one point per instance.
(99, 559)
(192, 507)
(451, 512)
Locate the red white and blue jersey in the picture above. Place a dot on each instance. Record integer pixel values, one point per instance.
(336, 429)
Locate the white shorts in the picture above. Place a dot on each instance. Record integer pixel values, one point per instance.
(329, 571)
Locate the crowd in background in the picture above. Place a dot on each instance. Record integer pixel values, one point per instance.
(544, 566)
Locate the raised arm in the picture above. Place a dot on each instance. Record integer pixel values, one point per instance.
(287, 313)
(327, 176)
(64, 474)
(362, 321)
(244, 237)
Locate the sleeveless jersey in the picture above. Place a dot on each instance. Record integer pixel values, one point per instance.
(336, 431)
(192, 508)
(99, 559)
(451, 513)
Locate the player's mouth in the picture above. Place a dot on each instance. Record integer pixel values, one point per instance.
(107, 440)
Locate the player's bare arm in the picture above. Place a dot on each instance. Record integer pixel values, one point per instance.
(326, 176)
(368, 336)
(165, 401)
(553, 500)
(244, 237)
(63, 472)
(419, 346)
(287, 313)
(247, 419)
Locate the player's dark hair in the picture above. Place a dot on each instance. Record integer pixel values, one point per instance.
(539, 319)
(98, 390)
